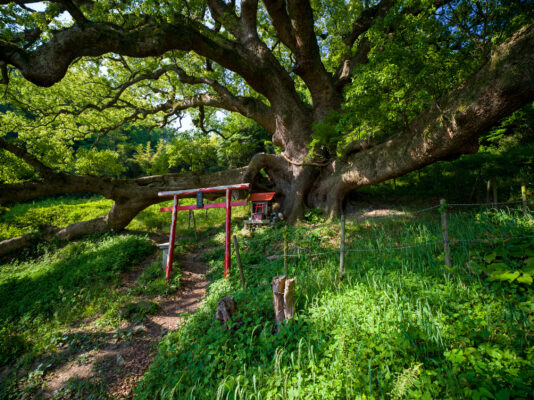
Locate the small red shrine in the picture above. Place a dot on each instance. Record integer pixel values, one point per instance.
(261, 209)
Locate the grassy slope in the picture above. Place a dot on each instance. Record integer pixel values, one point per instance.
(54, 287)
(23, 218)
(399, 325)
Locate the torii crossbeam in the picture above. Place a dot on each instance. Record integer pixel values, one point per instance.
(228, 204)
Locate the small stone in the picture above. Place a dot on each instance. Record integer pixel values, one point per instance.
(120, 360)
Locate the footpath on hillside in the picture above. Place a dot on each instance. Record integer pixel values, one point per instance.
(119, 362)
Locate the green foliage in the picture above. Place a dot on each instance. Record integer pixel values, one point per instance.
(12, 345)
(152, 281)
(13, 170)
(512, 261)
(138, 311)
(398, 325)
(326, 133)
(190, 152)
(152, 162)
(98, 162)
(314, 216)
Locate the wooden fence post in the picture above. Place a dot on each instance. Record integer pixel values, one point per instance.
(494, 184)
(194, 225)
(285, 249)
(238, 260)
(524, 196)
(488, 190)
(342, 249)
(445, 231)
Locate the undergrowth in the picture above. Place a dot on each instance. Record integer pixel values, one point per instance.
(400, 325)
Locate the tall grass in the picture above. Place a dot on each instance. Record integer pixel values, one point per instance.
(399, 326)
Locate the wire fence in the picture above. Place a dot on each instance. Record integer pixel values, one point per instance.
(296, 250)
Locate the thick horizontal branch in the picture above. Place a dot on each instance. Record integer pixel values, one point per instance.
(453, 125)
(48, 63)
(19, 152)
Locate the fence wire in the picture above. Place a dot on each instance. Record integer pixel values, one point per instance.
(308, 253)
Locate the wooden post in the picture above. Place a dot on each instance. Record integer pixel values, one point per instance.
(445, 231)
(488, 190)
(285, 249)
(226, 309)
(172, 236)
(278, 284)
(289, 299)
(342, 249)
(494, 184)
(524, 196)
(189, 219)
(228, 232)
(194, 224)
(238, 260)
(474, 186)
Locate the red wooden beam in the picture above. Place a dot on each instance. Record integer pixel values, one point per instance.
(206, 205)
(186, 192)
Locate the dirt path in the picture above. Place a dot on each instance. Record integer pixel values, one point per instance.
(120, 362)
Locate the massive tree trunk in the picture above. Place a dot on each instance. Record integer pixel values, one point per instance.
(448, 128)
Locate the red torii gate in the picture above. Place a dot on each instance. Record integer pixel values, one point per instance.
(228, 204)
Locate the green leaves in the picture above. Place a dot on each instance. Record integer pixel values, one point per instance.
(506, 263)
(99, 162)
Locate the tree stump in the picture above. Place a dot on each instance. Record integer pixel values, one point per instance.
(283, 299)
(289, 299)
(278, 285)
(226, 309)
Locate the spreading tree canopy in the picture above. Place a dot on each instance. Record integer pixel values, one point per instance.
(352, 93)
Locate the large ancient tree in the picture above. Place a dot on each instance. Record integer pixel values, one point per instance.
(293, 66)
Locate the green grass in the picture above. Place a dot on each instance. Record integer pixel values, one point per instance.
(400, 325)
(76, 282)
(31, 217)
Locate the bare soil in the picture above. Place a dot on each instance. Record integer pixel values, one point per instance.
(119, 363)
